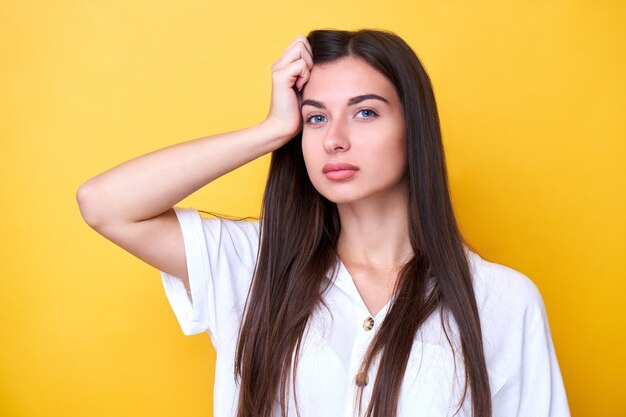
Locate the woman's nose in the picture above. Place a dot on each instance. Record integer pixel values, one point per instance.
(337, 138)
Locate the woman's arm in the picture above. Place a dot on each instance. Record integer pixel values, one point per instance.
(131, 203)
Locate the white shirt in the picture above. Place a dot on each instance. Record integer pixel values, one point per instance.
(523, 371)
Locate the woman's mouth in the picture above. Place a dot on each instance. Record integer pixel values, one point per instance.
(339, 171)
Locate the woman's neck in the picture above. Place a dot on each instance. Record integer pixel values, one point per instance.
(375, 233)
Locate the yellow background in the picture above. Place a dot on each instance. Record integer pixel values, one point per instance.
(532, 98)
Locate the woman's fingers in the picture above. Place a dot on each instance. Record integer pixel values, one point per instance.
(295, 74)
(306, 43)
(304, 40)
(298, 49)
(285, 106)
(299, 73)
(292, 69)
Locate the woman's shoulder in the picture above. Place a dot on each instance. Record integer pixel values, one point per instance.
(500, 286)
(512, 312)
(220, 236)
(237, 227)
(517, 342)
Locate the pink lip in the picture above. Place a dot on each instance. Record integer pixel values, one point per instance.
(339, 171)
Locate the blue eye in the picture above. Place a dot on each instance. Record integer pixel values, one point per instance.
(367, 113)
(315, 119)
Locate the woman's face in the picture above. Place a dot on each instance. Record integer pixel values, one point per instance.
(353, 137)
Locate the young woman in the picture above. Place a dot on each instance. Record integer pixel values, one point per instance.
(354, 293)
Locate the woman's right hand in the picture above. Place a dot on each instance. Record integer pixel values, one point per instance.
(130, 204)
(289, 74)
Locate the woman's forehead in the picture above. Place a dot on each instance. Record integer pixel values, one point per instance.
(346, 78)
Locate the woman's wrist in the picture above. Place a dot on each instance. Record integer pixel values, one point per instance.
(277, 132)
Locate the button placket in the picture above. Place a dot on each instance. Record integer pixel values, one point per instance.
(364, 336)
(361, 379)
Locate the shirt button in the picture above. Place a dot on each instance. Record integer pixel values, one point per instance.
(361, 379)
(368, 324)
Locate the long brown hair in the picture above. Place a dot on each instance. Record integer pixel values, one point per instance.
(299, 232)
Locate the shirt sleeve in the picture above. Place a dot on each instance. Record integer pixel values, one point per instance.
(536, 390)
(221, 255)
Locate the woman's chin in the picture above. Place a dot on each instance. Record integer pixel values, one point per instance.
(341, 196)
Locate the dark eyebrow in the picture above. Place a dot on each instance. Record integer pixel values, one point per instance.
(358, 99)
(313, 103)
(352, 101)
